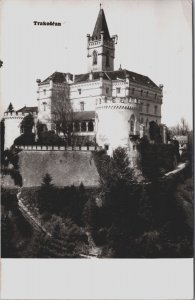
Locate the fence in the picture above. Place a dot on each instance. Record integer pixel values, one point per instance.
(57, 148)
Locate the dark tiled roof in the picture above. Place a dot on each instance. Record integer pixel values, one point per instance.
(120, 74)
(101, 25)
(57, 77)
(28, 109)
(83, 115)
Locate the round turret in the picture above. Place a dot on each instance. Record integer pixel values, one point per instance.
(117, 121)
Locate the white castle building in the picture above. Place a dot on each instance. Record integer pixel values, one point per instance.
(109, 105)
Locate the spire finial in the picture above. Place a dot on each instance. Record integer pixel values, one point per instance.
(100, 5)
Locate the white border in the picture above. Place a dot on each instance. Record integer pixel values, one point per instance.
(97, 279)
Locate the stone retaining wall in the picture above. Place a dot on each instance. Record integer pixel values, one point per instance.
(57, 148)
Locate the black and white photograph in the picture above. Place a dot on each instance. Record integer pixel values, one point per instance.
(96, 129)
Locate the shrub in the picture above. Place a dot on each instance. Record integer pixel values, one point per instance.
(25, 139)
(50, 138)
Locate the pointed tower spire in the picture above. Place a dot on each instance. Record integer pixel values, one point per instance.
(100, 46)
(101, 25)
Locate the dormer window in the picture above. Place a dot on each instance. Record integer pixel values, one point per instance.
(94, 57)
(79, 91)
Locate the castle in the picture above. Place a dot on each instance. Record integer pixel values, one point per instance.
(110, 106)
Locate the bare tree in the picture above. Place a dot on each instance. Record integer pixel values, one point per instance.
(62, 112)
(181, 128)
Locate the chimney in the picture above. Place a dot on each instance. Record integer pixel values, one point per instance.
(38, 81)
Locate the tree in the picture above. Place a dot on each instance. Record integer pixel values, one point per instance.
(120, 202)
(62, 112)
(1, 63)
(10, 108)
(181, 128)
(2, 124)
(154, 131)
(46, 195)
(27, 123)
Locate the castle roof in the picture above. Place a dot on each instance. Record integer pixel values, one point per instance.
(57, 77)
(28, 109)
(83, 115)
(118, 75)
(101, 25)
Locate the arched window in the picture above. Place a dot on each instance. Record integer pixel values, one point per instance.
(83, 126)
(132, 124)
(107, 59)
(94, 58)
(90, 126)
(76, 127)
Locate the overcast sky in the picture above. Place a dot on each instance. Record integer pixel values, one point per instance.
(154, 39)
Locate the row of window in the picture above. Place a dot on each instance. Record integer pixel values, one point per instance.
(118, 90)
(147, 108)
(82, 127)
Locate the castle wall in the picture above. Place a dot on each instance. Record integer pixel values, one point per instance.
(12, 128)
(85, 92)
(66, 168)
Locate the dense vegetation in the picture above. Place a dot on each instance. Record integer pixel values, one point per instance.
(126, 219)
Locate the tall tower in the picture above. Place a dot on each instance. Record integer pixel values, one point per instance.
(100, 46)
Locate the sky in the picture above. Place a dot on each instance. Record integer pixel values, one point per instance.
(154, 39)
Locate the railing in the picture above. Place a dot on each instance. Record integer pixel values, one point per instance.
(57, 148)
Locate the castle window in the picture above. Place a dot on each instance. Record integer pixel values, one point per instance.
(147, 108)
(83, 126)
(147, 93)
(118, 90)
(107, 59)
(155, 96)
(132, 124)
(44, 92)
(76, 127)
(141, 92)
(79, 91)
(82, 106)
(94, 58)
(133, 91)
(90, 126)
(141, 107)
(44, 106)
(141, 121)
(155, 109)
(107, 90)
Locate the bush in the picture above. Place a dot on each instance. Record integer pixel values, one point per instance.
(50, 138)
(25, 139)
